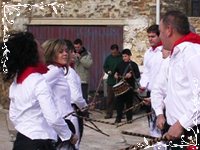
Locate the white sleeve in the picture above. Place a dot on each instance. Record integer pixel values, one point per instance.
(158, 92)
(49, 110)
(145, 74)
(75, 88)
(52, 74)
(192, 115)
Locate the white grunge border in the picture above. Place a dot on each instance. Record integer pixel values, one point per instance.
(14, 9)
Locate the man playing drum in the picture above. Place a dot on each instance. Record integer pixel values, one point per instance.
(127, 71)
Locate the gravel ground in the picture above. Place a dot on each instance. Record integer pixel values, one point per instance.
(93, 140)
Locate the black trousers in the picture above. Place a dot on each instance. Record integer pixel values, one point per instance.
(84, 88)
(24, 143)
(60, 144)
(127, 100)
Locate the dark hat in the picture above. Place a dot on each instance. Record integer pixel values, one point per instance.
(126, 51)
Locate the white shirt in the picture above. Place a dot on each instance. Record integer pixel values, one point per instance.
(152, 61)
(60, 88)
(33, 112)
(183, 88)
(158, 92)
(74, 82)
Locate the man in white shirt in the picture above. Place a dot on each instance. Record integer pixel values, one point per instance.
(183, 87)
(152, 61)
(152, 58)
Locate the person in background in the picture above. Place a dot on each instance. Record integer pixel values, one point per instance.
(56, 54)
(32, 108)
(109, 67)
(77, 100)
(82, 66)
(126, 70)
(182, 100)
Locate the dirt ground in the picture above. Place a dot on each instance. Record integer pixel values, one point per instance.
(92, 140)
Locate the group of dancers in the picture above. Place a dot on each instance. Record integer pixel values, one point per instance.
(45, 90)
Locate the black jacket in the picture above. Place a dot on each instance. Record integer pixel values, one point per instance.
(125, 67)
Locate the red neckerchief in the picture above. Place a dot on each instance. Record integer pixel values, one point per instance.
(190, 37)
(154, 47)
(40, 68)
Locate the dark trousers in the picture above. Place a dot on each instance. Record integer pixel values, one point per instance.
(110, 101)
(24, 143)
(80, 124)
(80, 120)
(127, 100)
(84, 88)
(66, 144)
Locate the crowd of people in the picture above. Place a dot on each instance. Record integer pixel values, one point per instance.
(50, 84)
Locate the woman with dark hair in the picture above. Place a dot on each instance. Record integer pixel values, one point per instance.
(32, 109)
(56, 55)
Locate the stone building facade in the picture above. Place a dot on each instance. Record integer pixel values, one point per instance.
(134, 15)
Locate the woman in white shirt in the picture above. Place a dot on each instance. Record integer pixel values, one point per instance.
(56, 55)
(32, 109)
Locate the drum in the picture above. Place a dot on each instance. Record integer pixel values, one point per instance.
(121, 88)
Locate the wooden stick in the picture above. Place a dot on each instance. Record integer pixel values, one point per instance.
(99, 131)
(99, 84)
(144, 115)
(137, 134)
(133, 107)
(96, 126)
(83, 109)
(94, 120)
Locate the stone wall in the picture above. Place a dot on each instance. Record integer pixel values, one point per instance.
(137, 16)
(195, 21)
(4, 101)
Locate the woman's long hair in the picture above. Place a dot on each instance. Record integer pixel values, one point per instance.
(23, 53)
(51, 49)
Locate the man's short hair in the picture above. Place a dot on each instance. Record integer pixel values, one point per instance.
(114, 46)
(177, 20)
(154, 29)
(78, 41)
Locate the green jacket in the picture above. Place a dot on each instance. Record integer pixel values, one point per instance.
(110, 65)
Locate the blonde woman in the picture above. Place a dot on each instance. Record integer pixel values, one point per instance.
(56, 55)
